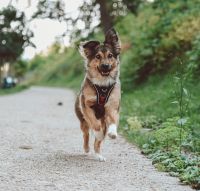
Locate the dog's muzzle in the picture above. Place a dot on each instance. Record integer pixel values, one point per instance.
(105, 69)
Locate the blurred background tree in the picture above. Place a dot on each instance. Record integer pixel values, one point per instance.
(101, 12)
(20, 68)
(151, 26)
(14, 35)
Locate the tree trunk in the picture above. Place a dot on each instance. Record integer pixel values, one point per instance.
(106, 19)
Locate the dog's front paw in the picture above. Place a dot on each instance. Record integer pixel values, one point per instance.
(100, 157)
(112, 131)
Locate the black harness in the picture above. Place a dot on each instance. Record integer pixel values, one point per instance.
(103, 94)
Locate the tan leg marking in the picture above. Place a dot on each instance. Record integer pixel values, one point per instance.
(86, 135)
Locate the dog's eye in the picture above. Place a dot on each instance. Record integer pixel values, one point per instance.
(110, 55)
(98, 56)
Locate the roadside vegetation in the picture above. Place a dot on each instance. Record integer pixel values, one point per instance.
(160, 74)
(13, 90)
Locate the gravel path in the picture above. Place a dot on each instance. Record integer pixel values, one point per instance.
(41, 149)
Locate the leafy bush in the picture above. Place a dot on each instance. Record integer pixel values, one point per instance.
(162, 31)
(168, 136)
(57, 68)
(134, 123)
(194, 57)
(149, 122)
(20, 68)
(184, 166)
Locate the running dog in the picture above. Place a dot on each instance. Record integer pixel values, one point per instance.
(97, 105)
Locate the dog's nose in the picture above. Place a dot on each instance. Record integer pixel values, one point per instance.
(105, 66)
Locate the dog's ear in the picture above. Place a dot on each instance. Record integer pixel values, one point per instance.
(112, 40)
(87, 49)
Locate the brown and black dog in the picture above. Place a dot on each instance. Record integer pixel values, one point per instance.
(97, 105)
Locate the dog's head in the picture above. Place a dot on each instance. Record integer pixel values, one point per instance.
(102, 60)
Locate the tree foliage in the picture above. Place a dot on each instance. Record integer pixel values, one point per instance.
(101, 12)
(161, 32)
(14, 35)
(132, 5)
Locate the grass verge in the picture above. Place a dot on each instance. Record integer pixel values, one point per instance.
(13, 90)
(150, 119)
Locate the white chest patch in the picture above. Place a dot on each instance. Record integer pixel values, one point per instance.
(103, 82)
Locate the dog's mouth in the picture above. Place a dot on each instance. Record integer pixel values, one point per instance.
(104, 72)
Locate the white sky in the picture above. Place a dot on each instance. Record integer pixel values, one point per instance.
(45, 30)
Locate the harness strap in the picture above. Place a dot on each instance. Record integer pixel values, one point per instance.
(103, 93)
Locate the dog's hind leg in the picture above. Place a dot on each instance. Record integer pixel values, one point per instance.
(86, 135)
(97, 145)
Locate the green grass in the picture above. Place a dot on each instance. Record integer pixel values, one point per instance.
(152, 103)
(151, 98)
(149, 120)
(13, 90)
(57, 69)
(65, 82)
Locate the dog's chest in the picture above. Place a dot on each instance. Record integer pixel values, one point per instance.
(99, 110)
(102, 96)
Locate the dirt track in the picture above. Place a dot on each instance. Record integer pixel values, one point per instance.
(41, 149)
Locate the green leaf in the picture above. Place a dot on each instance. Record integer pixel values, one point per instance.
(182, 121)
(174, 102)
(185, 91)
(176, 78)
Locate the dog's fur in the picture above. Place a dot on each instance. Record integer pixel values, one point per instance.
(96, 54)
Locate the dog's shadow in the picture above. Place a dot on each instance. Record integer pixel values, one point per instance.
(62, 161)
(79, 157)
